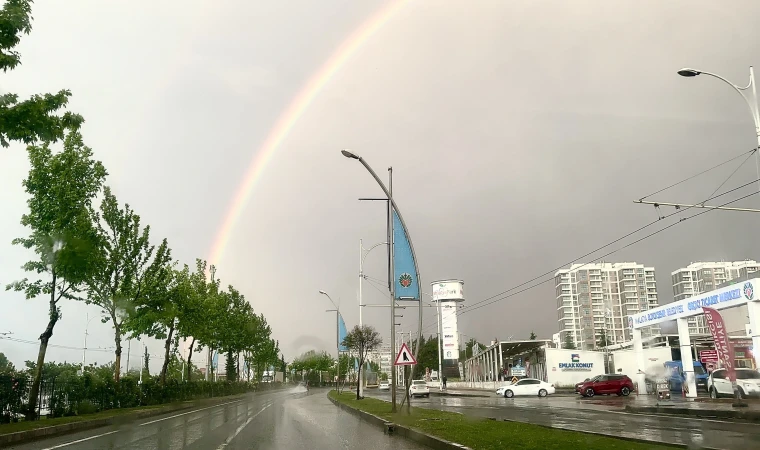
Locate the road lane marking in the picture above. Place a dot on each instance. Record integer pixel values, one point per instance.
(81, 440)
(185, 413)
(241, 427)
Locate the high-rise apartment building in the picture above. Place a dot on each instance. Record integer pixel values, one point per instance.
(596, 299)
(700, 277)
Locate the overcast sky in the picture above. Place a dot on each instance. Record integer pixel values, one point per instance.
(519, 133)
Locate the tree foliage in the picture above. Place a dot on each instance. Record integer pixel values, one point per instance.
(61, 188)
(362, 340)
(568, 344)
(35, 119)
(128, 267)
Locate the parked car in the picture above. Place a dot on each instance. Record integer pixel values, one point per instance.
(578, 385)
(676, 378)
(384, 386)
(607, 384)
(526, 386)
(419, 388)
(747, 381)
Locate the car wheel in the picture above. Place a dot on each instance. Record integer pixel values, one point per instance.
(713, 393)
(542, 393)
(625, 391)
(509, 394)
(589, 392)
(427, 395)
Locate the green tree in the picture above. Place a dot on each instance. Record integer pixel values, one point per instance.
(5, 365)
(362, 340)
(146, 364)
(193, 312)
(61, 187)
(568, 344)
(532, 336)
(127, 266)
(33, 119)
(155, 313)
(427, 357)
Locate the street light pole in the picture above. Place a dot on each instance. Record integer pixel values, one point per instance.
(751, 103)
(337, 337)
(84, 350)
(391, 282)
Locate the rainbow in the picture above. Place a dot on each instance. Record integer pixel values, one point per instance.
(288, 119)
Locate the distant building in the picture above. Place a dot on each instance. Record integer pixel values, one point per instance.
(382, 356)
(597, 299)
(700, 277)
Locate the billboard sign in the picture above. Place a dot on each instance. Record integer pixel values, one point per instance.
(450, 335)
(726, 297)
(448, 290)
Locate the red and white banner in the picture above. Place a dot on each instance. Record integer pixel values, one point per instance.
(722, 343)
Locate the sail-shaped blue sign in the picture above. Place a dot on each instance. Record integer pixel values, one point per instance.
(342, 332)
(404, 266)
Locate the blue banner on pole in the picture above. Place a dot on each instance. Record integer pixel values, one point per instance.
(215, 360)
(356, 365)
(404, 266)
(342, 332)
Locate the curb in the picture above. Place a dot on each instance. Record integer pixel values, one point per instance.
(67, 428)
(750, 416)
(419, 437)
(594, 433)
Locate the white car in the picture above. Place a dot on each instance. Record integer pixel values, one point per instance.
(526, 386)
(747, 380)
(419, 388)
(384, 386)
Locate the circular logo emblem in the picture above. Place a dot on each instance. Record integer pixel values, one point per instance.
(405, 280)
(749, 292)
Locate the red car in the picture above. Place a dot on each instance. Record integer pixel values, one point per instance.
(607, 384)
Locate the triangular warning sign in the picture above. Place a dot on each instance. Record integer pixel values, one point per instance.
(404, 357)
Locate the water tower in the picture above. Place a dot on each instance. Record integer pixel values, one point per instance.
(449, 293)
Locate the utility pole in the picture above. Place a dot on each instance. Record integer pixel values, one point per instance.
(209, 355)
(391, 283)
(129, 347)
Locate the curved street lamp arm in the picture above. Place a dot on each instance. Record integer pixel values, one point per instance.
(752, 106)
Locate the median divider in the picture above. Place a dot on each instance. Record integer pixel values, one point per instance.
(749, 416)
(433, 442)
(117, 419)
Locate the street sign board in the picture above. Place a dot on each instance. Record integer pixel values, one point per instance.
(404, 357)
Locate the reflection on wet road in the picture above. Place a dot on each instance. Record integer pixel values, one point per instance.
(604, 415)
(272, 421)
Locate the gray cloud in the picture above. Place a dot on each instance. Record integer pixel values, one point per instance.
(519, 133)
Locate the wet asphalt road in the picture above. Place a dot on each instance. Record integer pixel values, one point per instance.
(285, 420)
(602, 414)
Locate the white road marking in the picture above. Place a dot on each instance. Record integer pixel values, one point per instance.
(185, 413)
(241, 427)
(673, 416)
(81, 440)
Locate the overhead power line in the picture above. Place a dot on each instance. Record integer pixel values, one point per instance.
(482, 304)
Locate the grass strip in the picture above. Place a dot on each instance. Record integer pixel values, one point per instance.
(483, 434)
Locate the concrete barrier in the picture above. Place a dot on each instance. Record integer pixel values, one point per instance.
(428, 440)
(750, 416)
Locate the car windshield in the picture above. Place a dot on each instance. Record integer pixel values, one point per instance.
(747, 375)
(419, 383)
(699, 370)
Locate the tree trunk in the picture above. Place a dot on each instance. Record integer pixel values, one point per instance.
(189, 360)
(167, 347)
(238, 367)
(34, 392)
(359, 379)
(117, 352)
